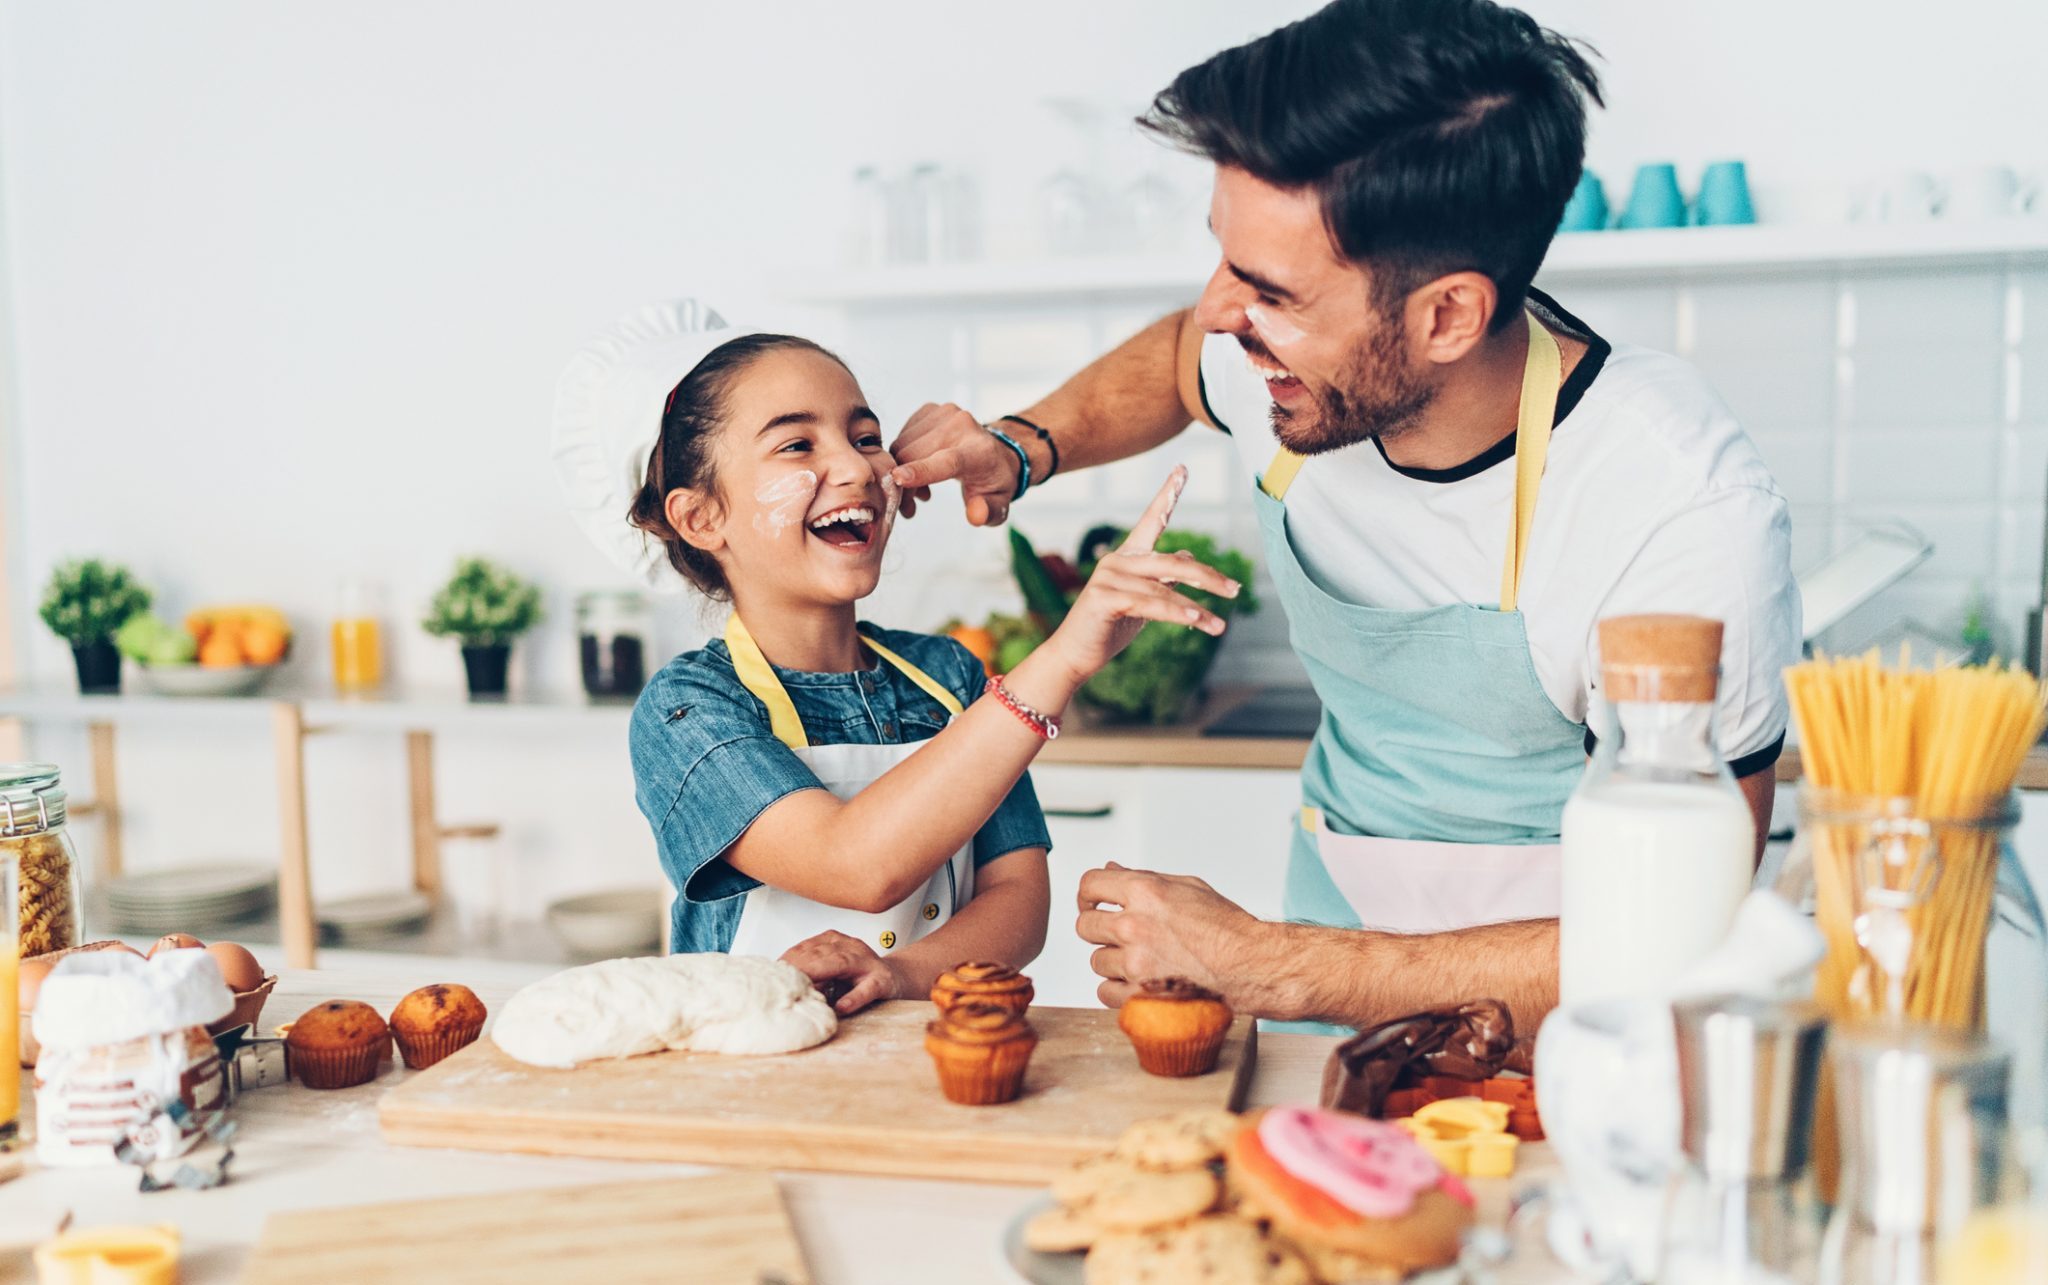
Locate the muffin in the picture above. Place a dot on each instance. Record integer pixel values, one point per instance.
(434, 1021)
(980, 1051)
(337, 1044)
(997, 984)
(1176, 1027)
(1342, 1188)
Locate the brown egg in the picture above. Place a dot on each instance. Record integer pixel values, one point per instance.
(176, 941)
(238, 968)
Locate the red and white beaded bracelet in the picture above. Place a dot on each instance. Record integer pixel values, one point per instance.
(1045, 725)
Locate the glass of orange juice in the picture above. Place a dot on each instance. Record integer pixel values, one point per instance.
(358, 641)
(10, 996)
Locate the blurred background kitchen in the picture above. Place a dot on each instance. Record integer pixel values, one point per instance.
(284, 292)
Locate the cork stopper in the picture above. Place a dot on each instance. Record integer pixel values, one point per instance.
(1660, 658)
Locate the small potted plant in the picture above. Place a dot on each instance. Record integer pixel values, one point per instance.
(484, 606)
(86, 603)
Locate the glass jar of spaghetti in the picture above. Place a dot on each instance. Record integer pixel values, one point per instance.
(1929, 919)
(34, 839)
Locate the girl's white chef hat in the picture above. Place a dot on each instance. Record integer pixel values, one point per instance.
(609, 405)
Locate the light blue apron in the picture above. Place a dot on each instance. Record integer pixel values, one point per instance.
(1433, 789)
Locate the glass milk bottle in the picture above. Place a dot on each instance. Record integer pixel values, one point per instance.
(1659, 846)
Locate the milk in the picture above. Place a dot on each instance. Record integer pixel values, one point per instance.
(1653, 872)
(1658, 842)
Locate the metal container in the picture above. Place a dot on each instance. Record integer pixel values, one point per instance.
(1741, 1207)
(1923, 1115)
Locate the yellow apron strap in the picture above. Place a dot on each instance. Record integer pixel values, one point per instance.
(1540, 377)
(1279, 474)
(1311, 818)
(758, 677)
(932, 687)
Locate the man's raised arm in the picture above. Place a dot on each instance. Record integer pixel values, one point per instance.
(1123, 403)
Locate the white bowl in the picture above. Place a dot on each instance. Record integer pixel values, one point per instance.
(625, 921)
(204, 680)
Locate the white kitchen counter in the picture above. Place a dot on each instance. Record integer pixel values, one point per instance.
(301, 1148)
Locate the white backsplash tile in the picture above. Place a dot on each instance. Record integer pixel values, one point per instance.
(2019, 542)
(1642, 315)
(1922, 465)
(1907, 309)
(1786, 318)
(1935, 381)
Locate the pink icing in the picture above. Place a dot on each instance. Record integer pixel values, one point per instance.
(1370, 1167)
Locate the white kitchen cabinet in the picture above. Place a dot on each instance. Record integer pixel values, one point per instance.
(1228, 827)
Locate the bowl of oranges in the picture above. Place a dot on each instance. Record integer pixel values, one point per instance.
(218, 651)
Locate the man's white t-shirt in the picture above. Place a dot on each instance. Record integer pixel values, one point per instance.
(1653, 500)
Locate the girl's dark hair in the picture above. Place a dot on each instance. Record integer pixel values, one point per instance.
(681, 458)
(1438, 135)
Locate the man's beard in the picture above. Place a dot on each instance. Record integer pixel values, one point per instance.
(1375, 397)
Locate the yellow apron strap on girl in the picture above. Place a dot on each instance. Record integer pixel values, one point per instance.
(1540, 376)
(1311, 818)
(932, 687)
(758, 677)
(1279, 474)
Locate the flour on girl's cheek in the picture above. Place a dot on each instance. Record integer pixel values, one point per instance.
(1274, 332)
(892, 500)
(785, 501)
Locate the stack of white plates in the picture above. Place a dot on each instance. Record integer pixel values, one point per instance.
(163, 901)
(373, 917)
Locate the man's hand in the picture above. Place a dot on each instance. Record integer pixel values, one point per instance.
(1169, 926)
(845, 966)
(946, 444)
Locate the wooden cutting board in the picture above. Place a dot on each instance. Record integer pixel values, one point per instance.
(720, 1229)
(866, 1101)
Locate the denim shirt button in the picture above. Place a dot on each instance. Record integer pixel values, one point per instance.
(889, 731)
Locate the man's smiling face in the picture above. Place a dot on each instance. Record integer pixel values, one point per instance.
(1337, 366)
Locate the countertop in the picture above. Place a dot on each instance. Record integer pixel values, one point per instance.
(1183, 745)
(302, 1148)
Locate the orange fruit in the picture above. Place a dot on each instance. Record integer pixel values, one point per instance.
(979, 641)
(222, 650)
(263, 642)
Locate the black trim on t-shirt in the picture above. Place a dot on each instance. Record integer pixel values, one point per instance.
(1202, 392)
(1569, 394)
(1747, 765)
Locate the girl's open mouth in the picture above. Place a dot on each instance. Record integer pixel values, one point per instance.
(851, 527)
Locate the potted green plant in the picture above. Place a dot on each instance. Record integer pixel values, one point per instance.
(483, 606)
(86, 603)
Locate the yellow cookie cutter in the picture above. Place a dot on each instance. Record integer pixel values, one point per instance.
(110, 1256)
(1467, 1136)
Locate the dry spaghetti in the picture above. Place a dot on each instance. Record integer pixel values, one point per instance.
(1908, 774)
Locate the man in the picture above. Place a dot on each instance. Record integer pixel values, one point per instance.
(1389, 174)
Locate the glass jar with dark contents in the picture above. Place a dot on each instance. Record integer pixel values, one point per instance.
(612, 627)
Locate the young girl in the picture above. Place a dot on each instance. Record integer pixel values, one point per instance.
(841, 795)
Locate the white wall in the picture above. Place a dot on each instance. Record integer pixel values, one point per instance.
(287, 287)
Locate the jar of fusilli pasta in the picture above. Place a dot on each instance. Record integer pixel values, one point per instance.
(33, 836)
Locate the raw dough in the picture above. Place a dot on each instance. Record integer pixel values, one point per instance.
(707, 1003)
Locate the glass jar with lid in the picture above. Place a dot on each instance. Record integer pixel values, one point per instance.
(33, 839)
(612, 628)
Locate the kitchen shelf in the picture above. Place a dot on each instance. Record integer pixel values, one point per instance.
(428, 709)
(1658, 254)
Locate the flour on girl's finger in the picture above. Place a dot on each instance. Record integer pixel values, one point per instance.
(786, 501)
(1273, 331)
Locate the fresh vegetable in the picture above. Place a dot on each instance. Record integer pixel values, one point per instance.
(1157, 676)
(1043, 597)
(149, 639)
(975, 639)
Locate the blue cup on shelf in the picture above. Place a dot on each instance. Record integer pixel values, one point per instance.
(1587, 210)
(1654, 201)
(1724, 196)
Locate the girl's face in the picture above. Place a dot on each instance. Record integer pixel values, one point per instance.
(806, 502)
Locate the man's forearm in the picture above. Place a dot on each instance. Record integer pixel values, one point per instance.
(1124, 403)
(1350, 977)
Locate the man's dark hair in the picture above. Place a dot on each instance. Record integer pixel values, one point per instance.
(1439, 135)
